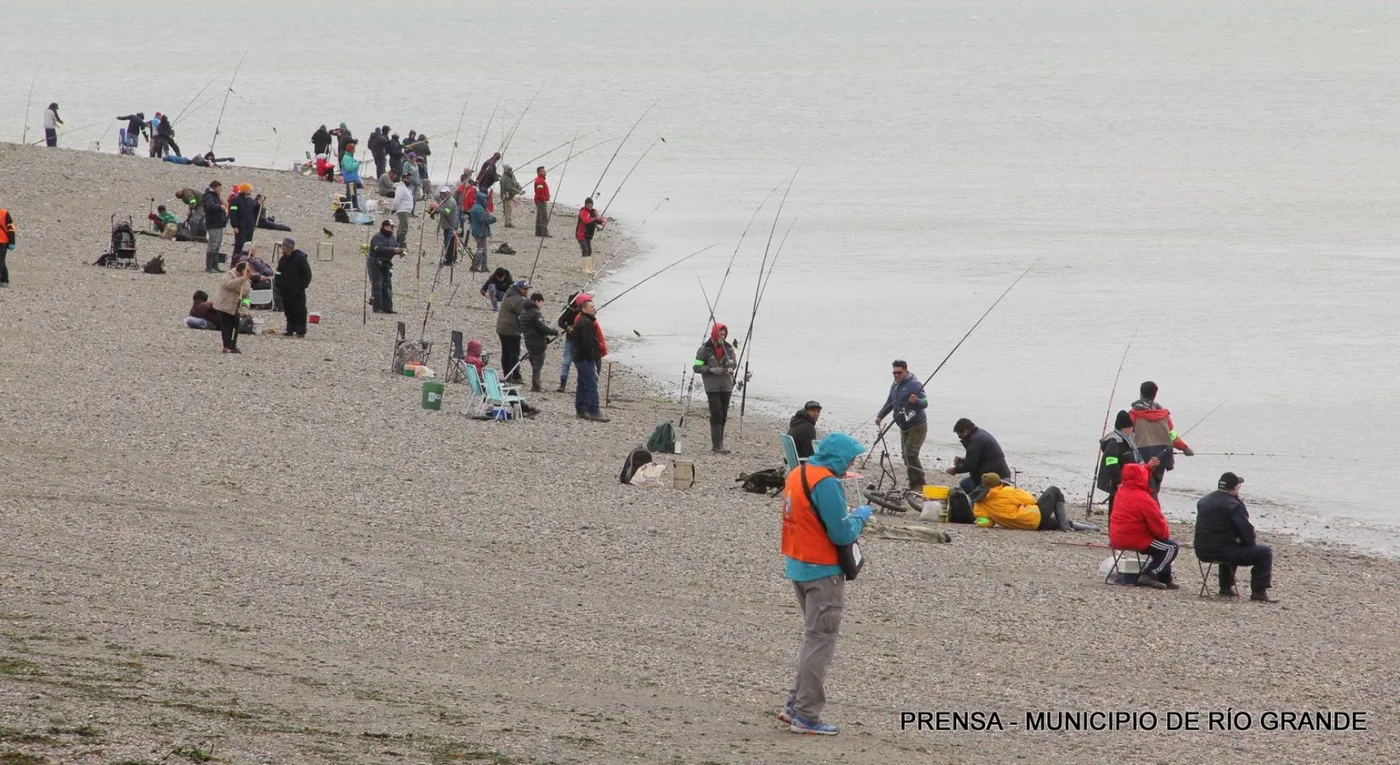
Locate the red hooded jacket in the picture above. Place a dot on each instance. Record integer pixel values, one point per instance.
(1137, 518)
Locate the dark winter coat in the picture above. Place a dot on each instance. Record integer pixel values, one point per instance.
(321, 140)
(715, 371)
(508, 314)
(585, 339)
(535, 329)
(293, 273)
(1222, 521)
(1118, 450)
(213, 206)
(983, 455)
(906, 415)
(803, 430)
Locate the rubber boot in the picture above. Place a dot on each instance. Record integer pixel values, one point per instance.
(717, 439)
(563, 383)
(588, 265)
(535, 382)
(211, 262)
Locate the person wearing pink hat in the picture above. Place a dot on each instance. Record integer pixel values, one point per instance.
(566, 320)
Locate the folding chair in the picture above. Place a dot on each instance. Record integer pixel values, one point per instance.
(476, 403)
(790, 452)
(260, 298)
(454, 357)
(1205, 567)
(496, 396)
(1117, 557)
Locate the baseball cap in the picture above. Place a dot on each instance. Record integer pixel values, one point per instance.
(812, 405)
(1229, 481)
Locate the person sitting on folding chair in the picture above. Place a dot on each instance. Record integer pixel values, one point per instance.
(1138, 525)
(1225, 535)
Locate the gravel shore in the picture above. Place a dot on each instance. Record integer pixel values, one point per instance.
(279, 557)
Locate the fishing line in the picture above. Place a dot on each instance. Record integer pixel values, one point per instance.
(599, 184)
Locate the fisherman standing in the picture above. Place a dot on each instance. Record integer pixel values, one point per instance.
(481, 221)
(394, 147)
(1118, 449)
(7, 242)
(815, 522)
(343, 141)
(510, 189)
(449, 212)
(509, 330)
(908, 401)
(541, 203)
(537, 334)
(376, 143)
(51, 123)
(589, 221)
(243, 216)
(487, 176)
(293, 277)
(321, 141)
(717, 366)
(167, 137)
(1155, 434)
(566, 322)
(589, 349)
(135, 130)
(380, 264)
(215, 219)
(403, 207)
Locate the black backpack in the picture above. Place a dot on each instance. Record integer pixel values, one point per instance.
(764, 481)
(960, 507)
(635, 461)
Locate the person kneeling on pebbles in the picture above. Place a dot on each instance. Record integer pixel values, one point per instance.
(815, 526)
(1138, 525)
(1013, 508)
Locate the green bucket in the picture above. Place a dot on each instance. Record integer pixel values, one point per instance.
(432, 395)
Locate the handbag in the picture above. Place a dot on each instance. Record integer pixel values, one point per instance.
(848, 556)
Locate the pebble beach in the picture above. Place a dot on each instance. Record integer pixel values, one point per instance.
(280, 557)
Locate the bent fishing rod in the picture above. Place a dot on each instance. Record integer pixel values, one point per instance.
(479, 144)
(1203, 419)
(599, 184)
(688, 376)
(1113, 392)
(553, 202)
(968, 334)
(456, 135)
(632, 235)
(212, 80)
(24, 138)
(748, 338)
(219, 123)
(618, 190)
(510, 137)
(580, 152)
(527, 162)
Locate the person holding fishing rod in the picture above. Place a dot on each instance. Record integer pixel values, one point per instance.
(51, 123)
(909, 403)
(589, 348)
(717, 364)
(1155, 434)
(541, 203)
(1118, 449)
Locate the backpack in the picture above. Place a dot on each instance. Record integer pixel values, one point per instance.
(764, 481)
(638, 458)
(663, 439)
(960, 507)
(155, 265)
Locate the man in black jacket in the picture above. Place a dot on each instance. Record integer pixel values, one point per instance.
(321, 140)
(803, 429)
(293, 277)
(508, 328)
(537, 334)
(1225, 535)
(380, 264)
(242, 217)
(589, 350)
(983, 456)
(376, 143)
(1116, 450)
(214, 221)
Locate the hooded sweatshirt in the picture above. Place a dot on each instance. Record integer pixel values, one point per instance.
(1137, 518)
(508, 315)
(350, 168)
(534, 328)
(1154, 432)
(803, 430)
(715, 362)
(481, 218)
(473, 357)
(835, 453)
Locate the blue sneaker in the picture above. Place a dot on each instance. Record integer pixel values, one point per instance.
(812, 727)
(786, 715)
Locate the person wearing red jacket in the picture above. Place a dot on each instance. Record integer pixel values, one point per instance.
(1138, 525)
(541, 203)
(589, 221)
(1155, 434)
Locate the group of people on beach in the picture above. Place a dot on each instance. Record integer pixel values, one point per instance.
(820, 536)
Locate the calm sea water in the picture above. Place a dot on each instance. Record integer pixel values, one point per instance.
(1218, 178)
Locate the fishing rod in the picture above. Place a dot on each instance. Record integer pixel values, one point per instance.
(744, 351)
(227, 93)
(1266, 454)
(277, 147)
(576, 154)
(508, 139)
(212, 80)
(1098, 459)
(758, 285)
(24, 138)
(599, 184)
(527, 162)
(687, 389)
(617, 191)
(69, 132)
(656, 274)
(974, 327)
(689, 386)
(1203, 419)
(482, 142)
(453, 154)
(553, 200)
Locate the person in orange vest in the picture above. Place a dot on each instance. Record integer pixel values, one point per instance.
(7, 240)
(815, 521)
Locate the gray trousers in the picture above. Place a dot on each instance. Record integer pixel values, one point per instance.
(403, 229)
(541, 219)
(822, 602)
(911, 442)
(506, 204)
(211, 250)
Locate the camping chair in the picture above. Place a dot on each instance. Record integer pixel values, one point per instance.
(790, 452)
(454, 357)
(1117, 558)
(497, 396)
(262, 298)
(1205, 566)
(476, 403)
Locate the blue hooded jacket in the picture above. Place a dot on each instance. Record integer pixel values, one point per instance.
(836, 452)
(481, 219)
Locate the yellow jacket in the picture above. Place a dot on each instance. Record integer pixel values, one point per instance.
(1009, 507)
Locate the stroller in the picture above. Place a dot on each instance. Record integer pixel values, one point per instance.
(123, 251)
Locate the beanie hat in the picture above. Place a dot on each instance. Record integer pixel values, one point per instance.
(990, 480)
(1123, 420)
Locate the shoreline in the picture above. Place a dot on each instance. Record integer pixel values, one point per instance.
(281, 557)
